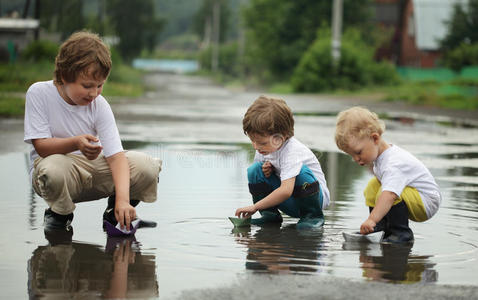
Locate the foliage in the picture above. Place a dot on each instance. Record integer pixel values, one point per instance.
(41, 50)
(11, 105)
(228, 59)
(135, 24)
(282, 30)
(462, 26)
(62, 16)
(461, 56)
(356, 68)
(460, 44)
(203, 19)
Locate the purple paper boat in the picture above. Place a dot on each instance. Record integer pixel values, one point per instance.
(112, 230)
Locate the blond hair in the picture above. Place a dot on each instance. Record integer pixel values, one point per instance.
(82, 53)
(356, 123)
(268, 116)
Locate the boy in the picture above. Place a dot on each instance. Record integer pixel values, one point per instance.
(285, 175)
(77, 153)
(402, 188)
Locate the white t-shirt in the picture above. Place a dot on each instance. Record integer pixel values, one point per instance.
(396, 168)
(288, 161)
(47, 115)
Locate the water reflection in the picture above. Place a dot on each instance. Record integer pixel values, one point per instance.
(392, 263)
(278, 250)
(70, 270)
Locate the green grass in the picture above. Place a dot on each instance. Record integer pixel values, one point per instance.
(11, 106)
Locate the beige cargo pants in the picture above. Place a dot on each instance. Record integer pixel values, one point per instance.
(63, 180)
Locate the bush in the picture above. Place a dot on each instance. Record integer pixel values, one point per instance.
(357, 68)
(461, 56)
(41, 50)
(228, 59)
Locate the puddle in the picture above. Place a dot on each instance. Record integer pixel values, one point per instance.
(196, 243)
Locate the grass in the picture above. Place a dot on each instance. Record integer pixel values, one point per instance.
(124, 81)
(11, 106)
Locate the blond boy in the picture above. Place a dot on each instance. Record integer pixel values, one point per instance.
(285, 175)
(403, 188)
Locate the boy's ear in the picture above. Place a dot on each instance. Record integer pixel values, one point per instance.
(375, 137)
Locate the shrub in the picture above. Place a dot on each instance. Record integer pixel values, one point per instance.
(41, 50)
(356, 68)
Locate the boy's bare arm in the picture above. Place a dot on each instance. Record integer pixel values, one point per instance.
(382, 207)
(49, 146)
(124, 212)
(278, 196)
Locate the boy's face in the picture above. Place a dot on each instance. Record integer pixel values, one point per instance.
(82, 91)
(364, 151)
(266, 144)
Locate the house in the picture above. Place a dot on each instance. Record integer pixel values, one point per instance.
(417, 26)
(15, 35)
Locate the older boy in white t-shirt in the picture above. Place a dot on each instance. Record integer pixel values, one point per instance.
(403, 188)
(77, 153)
(285, 175)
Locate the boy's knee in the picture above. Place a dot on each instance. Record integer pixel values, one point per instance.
(371, 191)
(143, 166)
(53, 167)
(254, 172)
(305, 176)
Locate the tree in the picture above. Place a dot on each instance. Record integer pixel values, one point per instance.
(460, 44)
(280, 31)
(203, 19)
(135, 24)
(63, 16)
(462, 26)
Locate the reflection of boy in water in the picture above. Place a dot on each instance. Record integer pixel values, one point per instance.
(393, 265)
(76, 270)
(282, 250)
(403, 188)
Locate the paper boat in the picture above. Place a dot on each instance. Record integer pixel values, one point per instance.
(374, 237)
(240, 222)
(112, 230)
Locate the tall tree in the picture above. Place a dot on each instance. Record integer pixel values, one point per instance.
(462, 27)
(280, 31)
(135, 24)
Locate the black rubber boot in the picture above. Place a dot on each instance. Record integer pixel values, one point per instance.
(52, 220)
(398, 225)
(109, 214)
(382, 225)
(268, 216)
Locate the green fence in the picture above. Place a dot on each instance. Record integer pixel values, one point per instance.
(464, 83)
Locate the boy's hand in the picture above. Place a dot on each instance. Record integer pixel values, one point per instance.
(124, 214)
(367, 226)
(267, 169)
(89, 150)
(246, 212)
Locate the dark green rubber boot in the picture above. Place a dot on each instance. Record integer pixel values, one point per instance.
(400, 232)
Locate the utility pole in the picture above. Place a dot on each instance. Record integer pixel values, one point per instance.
(337, 12)
(216, 15)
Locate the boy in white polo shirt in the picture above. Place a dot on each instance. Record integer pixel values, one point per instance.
(285, 175)
(403, 188)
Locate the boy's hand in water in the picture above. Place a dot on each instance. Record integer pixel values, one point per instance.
(367, 226)
(246, 212)
(124, 214)
(86, 146)
(267, 169)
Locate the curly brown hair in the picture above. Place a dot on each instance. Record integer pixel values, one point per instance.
(268, 116)
(82, 53)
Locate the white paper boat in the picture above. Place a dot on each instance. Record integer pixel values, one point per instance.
(374, 237)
